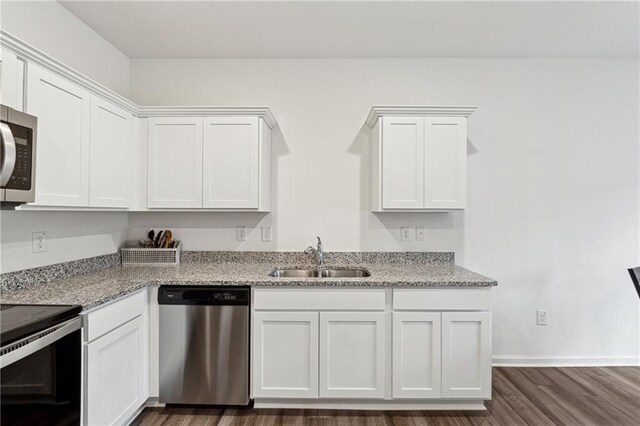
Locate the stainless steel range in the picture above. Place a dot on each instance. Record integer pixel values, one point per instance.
(40, 364)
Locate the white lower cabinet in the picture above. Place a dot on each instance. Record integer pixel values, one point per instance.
(466, 355)
(116, 361)
(337, 347)
(285, 354)
(416, 355)
(352, 354)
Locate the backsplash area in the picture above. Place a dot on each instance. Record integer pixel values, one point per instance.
(27, 277)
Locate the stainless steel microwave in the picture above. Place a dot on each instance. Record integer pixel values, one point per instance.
(17, 158)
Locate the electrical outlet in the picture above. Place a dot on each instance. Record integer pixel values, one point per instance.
(241, 233)
(420, 233)
(39, 240)
(266, 233)
(405, 233)
(541, 317)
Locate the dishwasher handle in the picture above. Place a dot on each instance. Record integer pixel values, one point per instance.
(204, 295)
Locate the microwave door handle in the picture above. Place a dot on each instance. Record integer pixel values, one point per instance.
(9, 160)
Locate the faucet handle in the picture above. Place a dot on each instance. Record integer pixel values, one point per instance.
(309, 250)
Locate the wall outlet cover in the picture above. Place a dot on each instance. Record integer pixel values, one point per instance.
(541, 317)
(405, 233)
(39, 241)
(241, 233)
(421, 232)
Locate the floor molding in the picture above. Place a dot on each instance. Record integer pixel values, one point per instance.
(518, 361)
(470, 405)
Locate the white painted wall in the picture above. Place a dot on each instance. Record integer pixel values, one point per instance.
(70, 236)
(553, 181)
(51, 28)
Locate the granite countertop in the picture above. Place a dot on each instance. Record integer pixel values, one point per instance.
(95, 288)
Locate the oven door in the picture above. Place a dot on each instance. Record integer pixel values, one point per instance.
(40, 381)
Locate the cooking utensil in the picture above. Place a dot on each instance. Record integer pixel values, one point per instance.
(168, 235)
(158, 239)
(151, 235)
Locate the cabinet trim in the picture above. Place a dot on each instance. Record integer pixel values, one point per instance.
(378, 111)
(38, 57)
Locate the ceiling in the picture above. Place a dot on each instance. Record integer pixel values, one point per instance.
(364, 29)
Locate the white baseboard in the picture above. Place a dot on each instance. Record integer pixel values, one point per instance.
(476, 405)
(518, 361)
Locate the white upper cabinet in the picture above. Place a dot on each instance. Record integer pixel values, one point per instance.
(213, 162)
(419, 158)
(403, 162)
(445, 162)
(11, 80)
(62, 159)
(175, 162)
(111, 150)
(231, 163)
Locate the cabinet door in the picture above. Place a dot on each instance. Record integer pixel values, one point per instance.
(402, 162)
(352, 354)
(231, 162)
(175, 162)
(116, 374)
(445, 161)
(416, 354)
(466, 355)
(62, 157)
(285, 354)
(111, 153)
(11, 80)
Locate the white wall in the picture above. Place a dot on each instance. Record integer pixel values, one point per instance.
(553, 202)
(70, 236)
(51, 28)
(73, 235)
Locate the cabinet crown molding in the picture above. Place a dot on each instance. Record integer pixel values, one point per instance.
(35, 56)
(190, 111)
(378, 111)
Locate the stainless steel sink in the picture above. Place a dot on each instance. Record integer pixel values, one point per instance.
(326, 273)
(345, 273)
(294, 273)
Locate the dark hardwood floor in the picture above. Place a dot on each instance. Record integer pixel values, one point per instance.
(521, 396)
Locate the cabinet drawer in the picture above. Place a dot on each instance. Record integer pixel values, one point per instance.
(113, 315)
(319, 299)
(442, 299)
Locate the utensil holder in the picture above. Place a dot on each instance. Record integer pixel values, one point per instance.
(132, 254)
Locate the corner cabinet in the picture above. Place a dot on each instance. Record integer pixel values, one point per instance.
(212, 162)
(419, 158)
(12, 71)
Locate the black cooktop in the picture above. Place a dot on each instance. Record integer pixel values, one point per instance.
(20, 321)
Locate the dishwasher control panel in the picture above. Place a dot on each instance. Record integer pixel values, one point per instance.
(203, 295)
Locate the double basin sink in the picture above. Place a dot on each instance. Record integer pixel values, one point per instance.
(322, 273)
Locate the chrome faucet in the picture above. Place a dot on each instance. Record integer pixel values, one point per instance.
(318, 253)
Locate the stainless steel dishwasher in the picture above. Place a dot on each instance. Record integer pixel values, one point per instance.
(204, 345)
